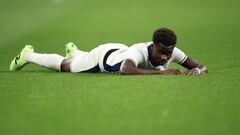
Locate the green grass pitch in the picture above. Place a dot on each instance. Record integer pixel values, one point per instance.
(37, 101)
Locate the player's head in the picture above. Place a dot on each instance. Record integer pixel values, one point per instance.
(164, 36)
(164, 41)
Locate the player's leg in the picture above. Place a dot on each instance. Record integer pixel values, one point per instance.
(73, 53)
(27, 55)
(72, 50)
(50, 61)
(84, 63)
(66, 65)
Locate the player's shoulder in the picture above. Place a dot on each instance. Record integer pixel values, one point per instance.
(177, 50)
(178, 55)
(140, 49)
(141, 46)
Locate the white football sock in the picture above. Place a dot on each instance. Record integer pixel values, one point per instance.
(51, 61)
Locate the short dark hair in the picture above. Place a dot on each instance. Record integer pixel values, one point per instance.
(164, 36)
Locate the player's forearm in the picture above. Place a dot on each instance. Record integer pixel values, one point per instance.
(193, 67)
(129, 68)
(138, 71)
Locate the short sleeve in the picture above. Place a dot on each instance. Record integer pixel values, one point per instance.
(134, 54)
(178, 56)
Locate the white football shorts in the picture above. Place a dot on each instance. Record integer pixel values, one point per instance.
(93, 61)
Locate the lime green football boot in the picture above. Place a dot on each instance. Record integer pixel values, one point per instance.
(70, 48)
(18, 62)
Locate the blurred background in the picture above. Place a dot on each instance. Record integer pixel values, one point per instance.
(201, 26)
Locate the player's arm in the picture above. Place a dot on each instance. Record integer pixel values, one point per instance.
(193, 67)
(129, 68)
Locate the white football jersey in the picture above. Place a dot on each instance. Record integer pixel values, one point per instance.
(140, 54)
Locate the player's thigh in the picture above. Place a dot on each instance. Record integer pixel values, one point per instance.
(83, 63)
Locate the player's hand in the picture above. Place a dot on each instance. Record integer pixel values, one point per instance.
(172, 72)
(194, 71)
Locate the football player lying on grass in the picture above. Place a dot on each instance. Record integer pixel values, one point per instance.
(142, 58)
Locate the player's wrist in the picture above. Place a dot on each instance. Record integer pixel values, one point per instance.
(198, 70)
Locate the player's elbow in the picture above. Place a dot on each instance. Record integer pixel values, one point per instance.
(126, 71)
(123, 73)
(128, 68)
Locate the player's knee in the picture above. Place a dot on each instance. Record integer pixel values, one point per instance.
(65, 65)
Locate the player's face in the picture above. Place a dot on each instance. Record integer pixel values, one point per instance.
(161, 54)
